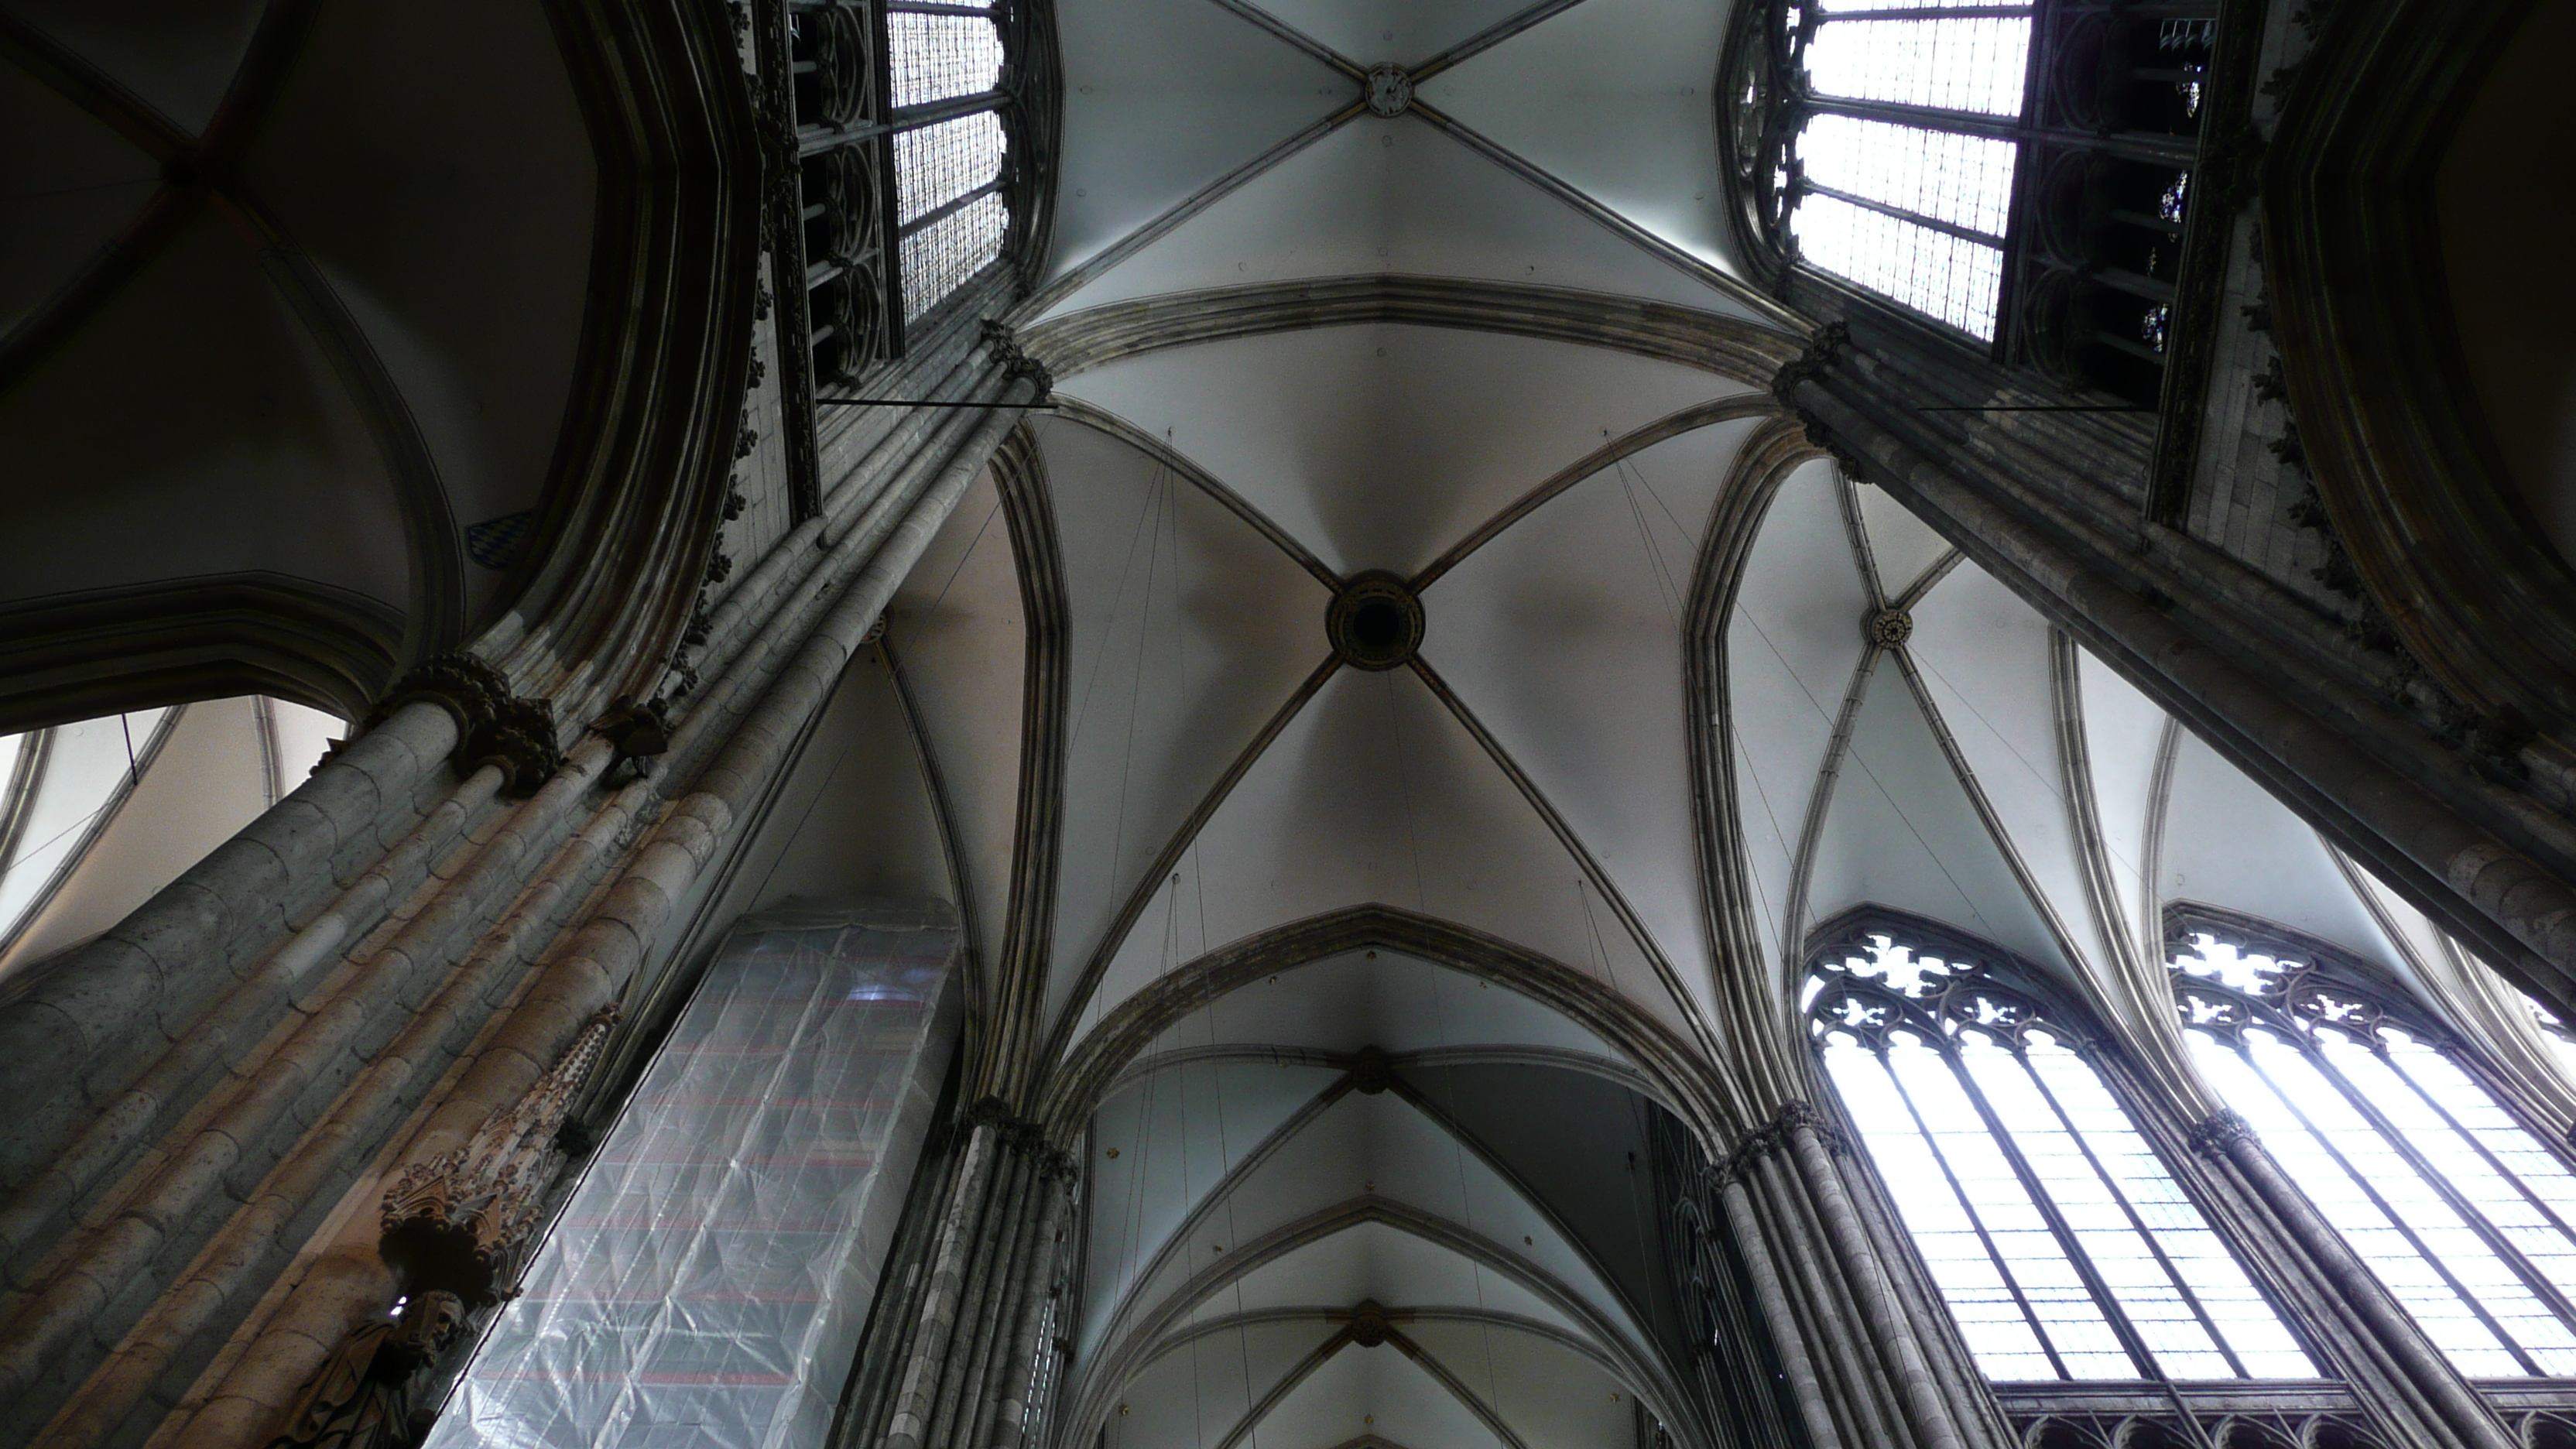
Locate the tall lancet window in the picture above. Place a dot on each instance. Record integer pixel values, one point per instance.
(1901, 177)
(2056, 1236)
(2463, 1213)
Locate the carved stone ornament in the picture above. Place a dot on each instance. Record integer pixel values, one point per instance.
(1810, 362)
(493, 726)
(636, 731)
(1016, 363)
(460, 1223)
(1375, 622)
(1390, 90)
(2219, 1133)
(461, 684)
(361, 1398)
(1773, 1136)
(1889, 628)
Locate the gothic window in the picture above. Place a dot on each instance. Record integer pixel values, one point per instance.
(2054, 1233)
(2020, 173)
(910, 125)
(2463, 1213)
(1887, 188)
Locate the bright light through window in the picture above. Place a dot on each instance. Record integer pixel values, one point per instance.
(941, 57)
(938, 164)
(2053, 1232)
(1956, 63)
(1916, 209)
(2460, 1211)
(1963, 180)
(1943, 276)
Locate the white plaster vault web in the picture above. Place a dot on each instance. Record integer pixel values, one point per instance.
(1531, 782)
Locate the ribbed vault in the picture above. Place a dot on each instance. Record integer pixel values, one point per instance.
(1359, 974)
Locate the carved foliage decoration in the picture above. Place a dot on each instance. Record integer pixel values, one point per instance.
(462, 1222)
(494, 726)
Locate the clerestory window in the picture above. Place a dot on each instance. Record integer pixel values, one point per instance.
(1893, 182)
(910, 134)
(2463, 1213)
(2020, 173)
(2057, 1238)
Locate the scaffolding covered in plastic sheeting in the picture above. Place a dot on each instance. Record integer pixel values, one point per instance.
(708, 1279)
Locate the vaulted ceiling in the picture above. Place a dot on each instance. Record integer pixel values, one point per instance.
(1368, 987)
(290, 297)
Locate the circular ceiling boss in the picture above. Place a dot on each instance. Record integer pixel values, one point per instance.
(1375, 622)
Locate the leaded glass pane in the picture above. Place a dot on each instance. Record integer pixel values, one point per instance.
(939, 258)
(2262, 1343)
(2468, 1218)
(2053, 1232)
(1955, 63)
(938, 57)
(1963, 180)
(2056, 1292)
(2362, 1214)
(937, 164)
(1942, 276)
(1971, 1282)
(2121, 1255)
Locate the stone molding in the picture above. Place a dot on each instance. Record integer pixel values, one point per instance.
(69, 657)
(1749, 352)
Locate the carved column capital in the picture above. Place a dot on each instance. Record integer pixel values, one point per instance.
(493, 726)
(2218, 1133)
(1773, 1136)
(1810, 363)
(1015, 362)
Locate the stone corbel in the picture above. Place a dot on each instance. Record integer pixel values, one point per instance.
(493, 726)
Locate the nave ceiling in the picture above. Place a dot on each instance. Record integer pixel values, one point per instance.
(1373, 981)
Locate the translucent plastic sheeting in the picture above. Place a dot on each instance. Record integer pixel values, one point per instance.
(707, 1281)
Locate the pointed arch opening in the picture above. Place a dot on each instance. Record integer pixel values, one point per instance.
(2063, 1246)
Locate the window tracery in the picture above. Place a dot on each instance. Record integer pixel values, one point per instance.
(2058, 1239)
(912, 134)
(2463, 1213)
(2017, 172)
